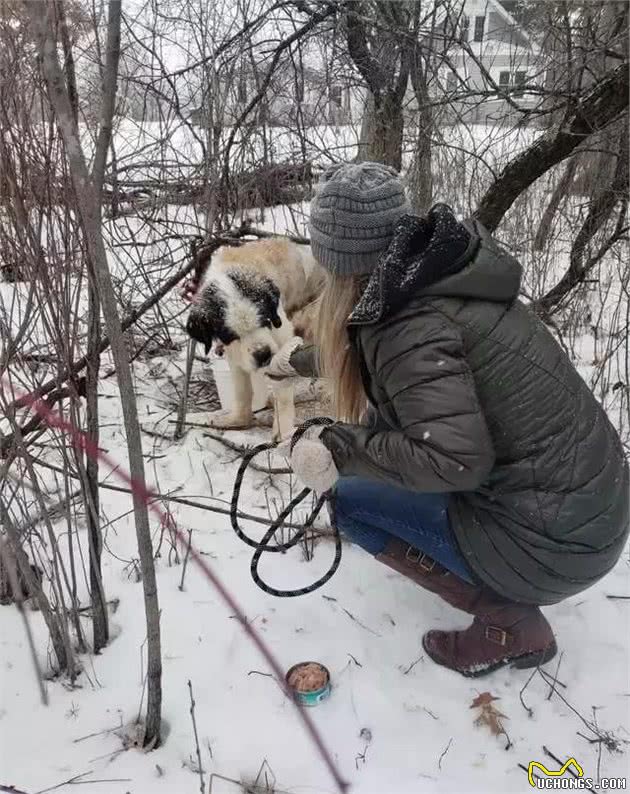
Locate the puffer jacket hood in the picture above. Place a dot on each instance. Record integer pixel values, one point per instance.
(474, 397)
(437, 255)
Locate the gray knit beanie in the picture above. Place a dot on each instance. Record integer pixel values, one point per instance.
(353, 214)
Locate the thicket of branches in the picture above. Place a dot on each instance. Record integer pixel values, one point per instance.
(127, 134)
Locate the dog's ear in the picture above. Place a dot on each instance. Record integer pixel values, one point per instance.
(200, 328)
(270, 303)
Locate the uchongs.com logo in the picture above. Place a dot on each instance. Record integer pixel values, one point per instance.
(570, 776)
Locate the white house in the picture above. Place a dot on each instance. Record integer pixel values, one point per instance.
(488, 64)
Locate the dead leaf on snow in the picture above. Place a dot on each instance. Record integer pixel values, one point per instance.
(489, 715)
(484, 699)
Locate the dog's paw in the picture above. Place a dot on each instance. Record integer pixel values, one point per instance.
(223, 420)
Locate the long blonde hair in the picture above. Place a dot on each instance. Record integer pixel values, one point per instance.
(338, 359)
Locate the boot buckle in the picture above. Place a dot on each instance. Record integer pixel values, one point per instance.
(419, 558)
(496, 635)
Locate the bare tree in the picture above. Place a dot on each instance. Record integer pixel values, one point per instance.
(380, 44)
(88, 193)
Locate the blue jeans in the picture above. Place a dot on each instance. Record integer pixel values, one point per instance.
(368, 513)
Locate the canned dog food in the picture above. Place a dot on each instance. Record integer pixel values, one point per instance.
(310, 681)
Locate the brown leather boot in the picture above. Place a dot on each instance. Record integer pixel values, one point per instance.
(502, 632)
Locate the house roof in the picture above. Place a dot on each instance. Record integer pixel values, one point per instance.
(501, 6)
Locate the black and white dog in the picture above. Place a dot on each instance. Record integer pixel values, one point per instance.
(244, 303)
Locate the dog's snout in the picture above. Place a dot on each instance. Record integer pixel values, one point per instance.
(262, 356)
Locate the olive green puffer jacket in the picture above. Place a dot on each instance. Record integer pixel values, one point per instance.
(475, 397)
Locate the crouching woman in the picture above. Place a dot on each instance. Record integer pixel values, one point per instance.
(487, 472)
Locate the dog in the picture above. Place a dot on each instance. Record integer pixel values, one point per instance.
(244, 305)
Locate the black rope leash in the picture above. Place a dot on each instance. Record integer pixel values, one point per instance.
(263, 545)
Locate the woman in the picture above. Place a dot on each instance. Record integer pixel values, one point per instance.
(486, 471)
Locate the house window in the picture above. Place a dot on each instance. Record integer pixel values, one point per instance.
(512, 83)
(464, 28)
(336, 95)
(519, 82)
(479, 26)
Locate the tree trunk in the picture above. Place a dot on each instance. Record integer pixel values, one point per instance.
(88, 204)
(382, 130)
(100, 625)
(420, 177)
(89, 479)
(34, 589)
(559, 194)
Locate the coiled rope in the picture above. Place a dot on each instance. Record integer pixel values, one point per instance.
(263, 545)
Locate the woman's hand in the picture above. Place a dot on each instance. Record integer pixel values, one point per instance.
(280, 367)
(313, 464)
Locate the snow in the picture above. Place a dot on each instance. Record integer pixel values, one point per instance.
(395, 722)
(411, 710)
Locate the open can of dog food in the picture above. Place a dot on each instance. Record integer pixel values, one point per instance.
(310, 682)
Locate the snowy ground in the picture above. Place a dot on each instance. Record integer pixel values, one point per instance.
(365, 625)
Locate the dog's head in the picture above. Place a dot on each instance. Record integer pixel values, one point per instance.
(206, 320)
(239, 310)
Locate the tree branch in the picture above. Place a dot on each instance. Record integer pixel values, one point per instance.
(89, 211)
(606, 101)
(358, 49)
(599, 212)
(110, 79)
(306, 28)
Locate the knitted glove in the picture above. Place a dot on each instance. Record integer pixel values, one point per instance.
(313, 464)
(280, 367)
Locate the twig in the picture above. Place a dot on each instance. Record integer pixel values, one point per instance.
(12, 789)
(530, 711)
(50, 509)
(295, 238)
(243, 450)
(412, 665)
(603, 737)
(97, 733)
(240, 449)
(194, 722)
(444, 752)
(358, 664)
(183, 404)
(356, 620)
(555, 678)
(76, 781)
(361, 756)
(9, 561)
(269, 784)
(618, 597)
(156, 497)
(213, 243)
(259, 672)
(181, 584)
(560, 763)
(535, 775)
(599, 747)
(545, 675)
